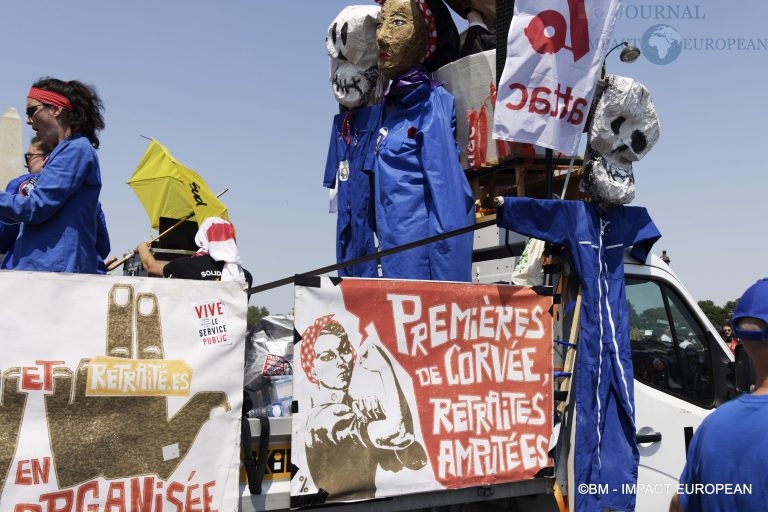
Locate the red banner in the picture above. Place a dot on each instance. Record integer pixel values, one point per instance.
(454, 380)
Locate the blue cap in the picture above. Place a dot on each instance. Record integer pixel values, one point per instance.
(753, 304)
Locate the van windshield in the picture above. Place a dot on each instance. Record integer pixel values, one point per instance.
(669, 348)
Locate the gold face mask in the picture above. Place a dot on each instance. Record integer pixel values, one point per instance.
(401, 37)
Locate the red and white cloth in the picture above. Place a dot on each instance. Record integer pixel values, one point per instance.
(216, 237)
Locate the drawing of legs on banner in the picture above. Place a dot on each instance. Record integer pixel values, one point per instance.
(110, 418)
(358, 413)
(12, 403)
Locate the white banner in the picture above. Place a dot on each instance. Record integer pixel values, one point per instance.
(554, 54)
(119, 393)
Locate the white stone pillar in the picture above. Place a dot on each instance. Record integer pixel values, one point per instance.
(11, 147)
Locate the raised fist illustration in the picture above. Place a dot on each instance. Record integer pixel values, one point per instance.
(392, 427)
(12, 404)
(121, 431)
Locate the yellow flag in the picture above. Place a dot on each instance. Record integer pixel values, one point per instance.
(167, 188)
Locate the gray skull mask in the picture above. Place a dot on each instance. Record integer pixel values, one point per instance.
(625, 126)
(607, 183)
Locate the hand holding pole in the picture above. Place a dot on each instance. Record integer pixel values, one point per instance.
(116, 263)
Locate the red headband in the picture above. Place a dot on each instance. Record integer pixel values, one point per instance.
(49, 97)
(429, 19)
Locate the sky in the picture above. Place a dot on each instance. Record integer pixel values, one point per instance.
(238, 90)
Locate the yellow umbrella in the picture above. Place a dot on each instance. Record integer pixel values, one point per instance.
(169, 189)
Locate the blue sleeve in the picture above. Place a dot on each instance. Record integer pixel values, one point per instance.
(639, 231)
(9, 229)
(13, 185)
(72, 163)
(551, 220)
(103, 245)
(449, 191)
(332, 161)
(8, 234)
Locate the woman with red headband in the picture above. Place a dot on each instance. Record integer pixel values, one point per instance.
(59, 216)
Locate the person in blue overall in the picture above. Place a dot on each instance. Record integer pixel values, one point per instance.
(59, 215)
(726, 467)
(420, 187)
(34, 159)
(357, 87)
(605, 443)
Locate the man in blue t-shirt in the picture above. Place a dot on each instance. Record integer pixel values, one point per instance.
(727, 468)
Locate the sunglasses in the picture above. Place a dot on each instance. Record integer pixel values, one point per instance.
(28, 156)
(751, 334)
(32, 110)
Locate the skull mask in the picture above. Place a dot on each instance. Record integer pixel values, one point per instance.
(351, 45)
(607, 183)
(623, 130)
(625, 126)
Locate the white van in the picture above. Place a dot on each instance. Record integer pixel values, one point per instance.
(677, 383)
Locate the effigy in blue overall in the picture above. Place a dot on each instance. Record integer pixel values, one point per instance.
(605, 444)
(350, 155)
(421, 190)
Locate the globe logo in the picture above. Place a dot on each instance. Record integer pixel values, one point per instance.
(661, 44)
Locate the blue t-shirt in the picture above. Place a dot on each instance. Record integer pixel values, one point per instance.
(729, 450)
(60, 215)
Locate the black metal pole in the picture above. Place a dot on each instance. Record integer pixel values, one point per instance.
(372, 256)
(549, 168)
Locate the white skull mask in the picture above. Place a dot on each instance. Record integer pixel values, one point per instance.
(351, 45)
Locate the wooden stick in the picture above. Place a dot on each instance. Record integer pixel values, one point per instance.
(125, 258)
(570, 355)
(112, 266)
(558, 308)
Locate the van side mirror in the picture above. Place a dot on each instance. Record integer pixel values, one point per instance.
(744, 370)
